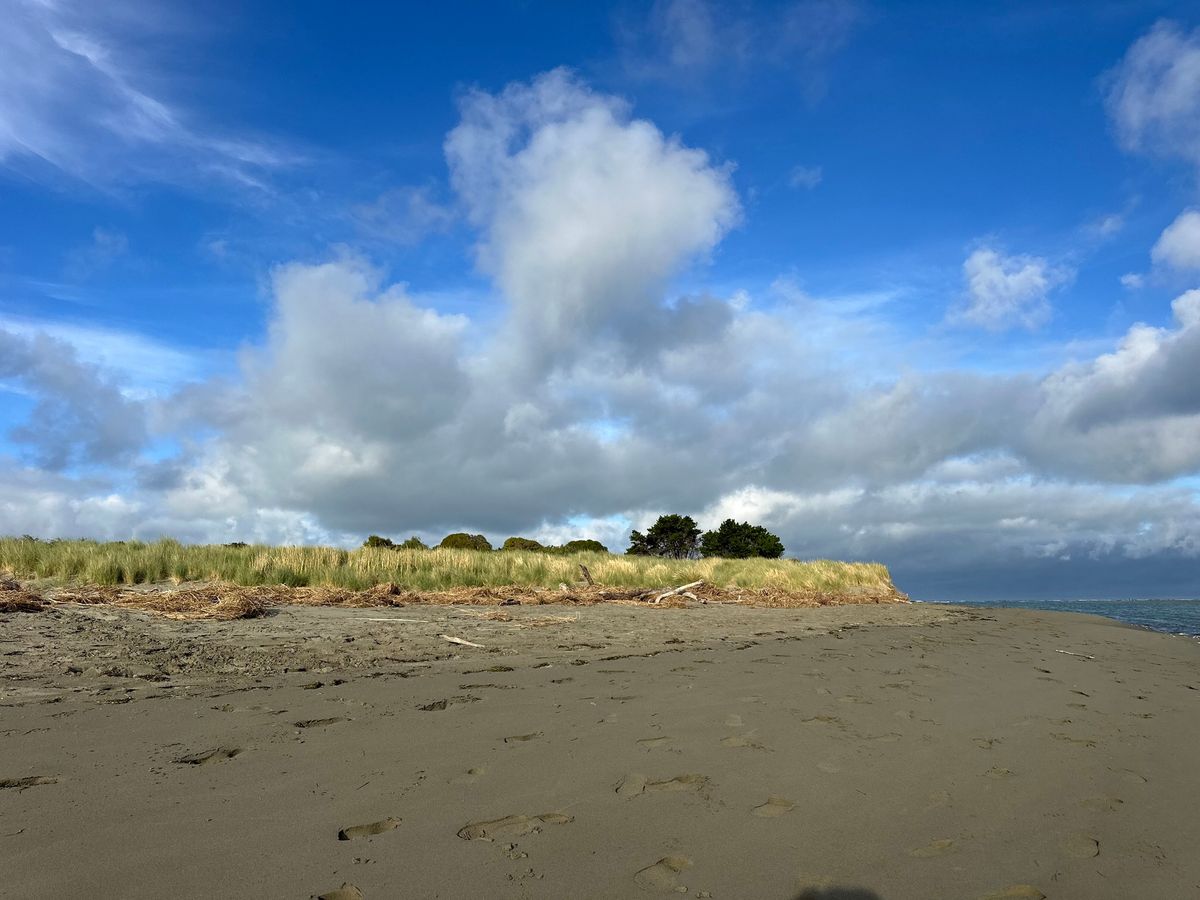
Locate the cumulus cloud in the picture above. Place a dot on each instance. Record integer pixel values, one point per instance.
(586, 211)
(1179, 244)
(1008, 291)
(71, 100)
(79, 416)
(1154, 94)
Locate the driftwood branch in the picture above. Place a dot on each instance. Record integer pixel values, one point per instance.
(463, 641)
(1080, 655)
(679, 590)
(587, 576)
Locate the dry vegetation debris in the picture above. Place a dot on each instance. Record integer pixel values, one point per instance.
(224, 602)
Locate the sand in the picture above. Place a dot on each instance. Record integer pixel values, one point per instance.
(844, 753)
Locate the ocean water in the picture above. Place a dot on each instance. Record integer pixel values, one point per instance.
(1173, 616)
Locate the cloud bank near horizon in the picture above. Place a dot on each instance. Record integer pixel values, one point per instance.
(596, 396)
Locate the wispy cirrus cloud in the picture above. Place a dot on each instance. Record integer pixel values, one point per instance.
(74, 103)
(683, 40)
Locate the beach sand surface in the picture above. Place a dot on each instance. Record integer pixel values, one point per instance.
(891, 752)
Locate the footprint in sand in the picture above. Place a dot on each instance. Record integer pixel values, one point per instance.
(738, 740)
(30, 781)
(522, 738)
(1103, 804)
(663, 875)
(998, 772)
(733, 720)
(635, 785)
(933, 848)
(654, 743)
(437, 705)
(511, 826)
(369, 830)
(346, 892)
(773, 808)
(986, 743)
(319, 723)
(204, 757)
(1080, 846)
(468, 777)
(1016, 892)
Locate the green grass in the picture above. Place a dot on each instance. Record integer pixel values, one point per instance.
(134, 562)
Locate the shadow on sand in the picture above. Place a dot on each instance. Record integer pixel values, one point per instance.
(837, 893)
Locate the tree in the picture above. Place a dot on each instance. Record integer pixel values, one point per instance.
(460, 540)
(583, 546)
(378, 542)
(740, 540)
(413, 543)
(520, 543)
(675, 537)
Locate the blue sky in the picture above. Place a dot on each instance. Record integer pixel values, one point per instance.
(904, 282)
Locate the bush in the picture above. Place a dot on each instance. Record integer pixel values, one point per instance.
(460, 540)
(582, 546)
(672, 536)
(413, 543)
(741, 540)
(520, 543)
(378, 542)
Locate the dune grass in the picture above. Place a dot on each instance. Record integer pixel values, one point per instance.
(134, 562)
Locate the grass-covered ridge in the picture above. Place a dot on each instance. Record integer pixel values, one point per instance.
(134, 562)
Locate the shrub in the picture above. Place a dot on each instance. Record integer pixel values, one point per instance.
(413, 543)
(672, 536)
(378, 542)
(582, 546)
(741, 540)
(460, 540)
(520, 543)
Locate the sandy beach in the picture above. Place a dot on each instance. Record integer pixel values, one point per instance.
(892, 752)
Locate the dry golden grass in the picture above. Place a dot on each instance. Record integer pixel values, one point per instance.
(217, 582)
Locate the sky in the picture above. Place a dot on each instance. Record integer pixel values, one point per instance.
(913, 283)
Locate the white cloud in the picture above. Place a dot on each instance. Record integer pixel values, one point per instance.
(807, 177)
(1179, 244)
(80, 415)
(1133, 281)
(405, 215)
(1008, 291)
(686, 41)
(586, 212)
(72, 100)
(1154, 93)
(597, 399)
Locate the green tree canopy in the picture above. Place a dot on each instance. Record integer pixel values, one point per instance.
(673, 536)
(414, 543)
(583, 546)
(520, 543)
(460, 540)
(740, 540)
(377, 541)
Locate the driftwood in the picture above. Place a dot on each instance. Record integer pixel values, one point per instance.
(587, 576)
(463, 641)
(1080, 655)
(683, 588)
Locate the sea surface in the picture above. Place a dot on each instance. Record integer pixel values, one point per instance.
(1173, 616)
